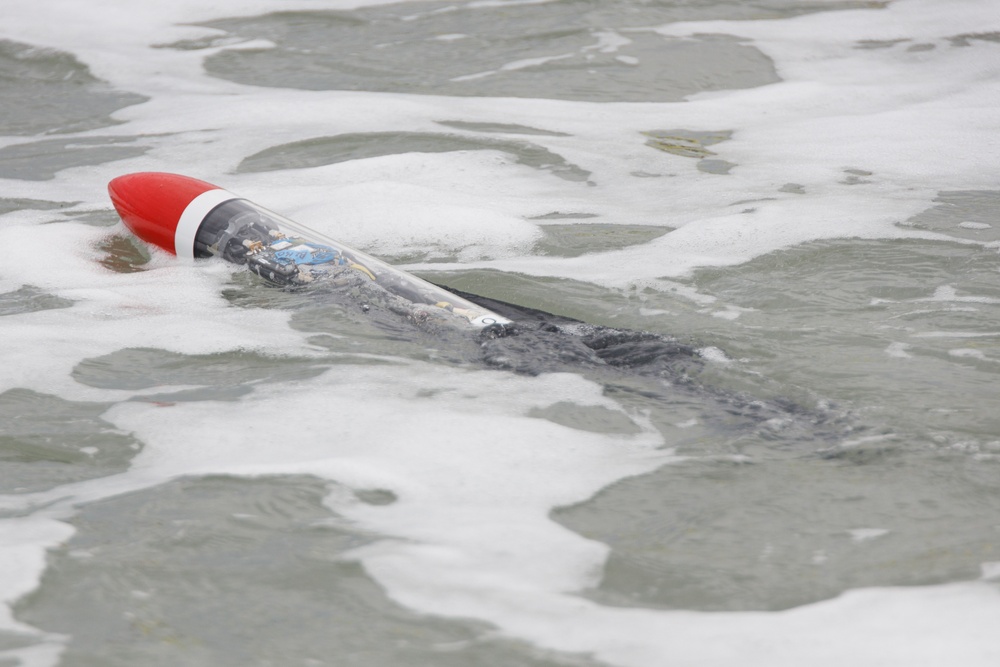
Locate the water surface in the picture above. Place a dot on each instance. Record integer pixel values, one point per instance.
(196, 468)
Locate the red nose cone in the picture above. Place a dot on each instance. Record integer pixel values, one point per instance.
(151, 203)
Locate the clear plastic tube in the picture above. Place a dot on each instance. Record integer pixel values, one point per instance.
(289, 254)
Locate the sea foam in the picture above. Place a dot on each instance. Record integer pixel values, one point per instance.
(877, 111)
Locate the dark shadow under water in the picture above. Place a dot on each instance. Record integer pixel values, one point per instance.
(651, 369)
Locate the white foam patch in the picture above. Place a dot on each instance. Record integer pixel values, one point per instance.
(730, 312)
(898, 350)
(22, 560)
(608, 41)
(971, 353)
(901, 626)
(948, 293)
(967, 352)
(956, 334)
(866, 534)
(169, 306)
(470, 535)
(38, 655)
(791, 131)
(391, 217)
(715, 355)
(475, 476)
(515, 65)
(906, 117)
(868, 439)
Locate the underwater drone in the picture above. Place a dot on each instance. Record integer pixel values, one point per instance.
(194, 219)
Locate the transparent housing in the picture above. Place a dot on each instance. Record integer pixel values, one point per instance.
(285, 253)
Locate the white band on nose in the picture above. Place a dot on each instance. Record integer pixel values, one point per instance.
(193, 216)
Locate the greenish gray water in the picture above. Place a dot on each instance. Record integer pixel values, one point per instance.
(776, 533)
(41, 160)
(50, 91)
(402, 48)
(341, 148)
(29, 299)
(228, 571)
(47, 441)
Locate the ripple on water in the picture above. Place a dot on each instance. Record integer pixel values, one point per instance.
(227, 571)
(556, 50)
(963, 214)
(30, 299)
(219, 376)
(47, 441)
(42, 160)
(874, 323)
(722, 535)
(55, 92)
(344, 147)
